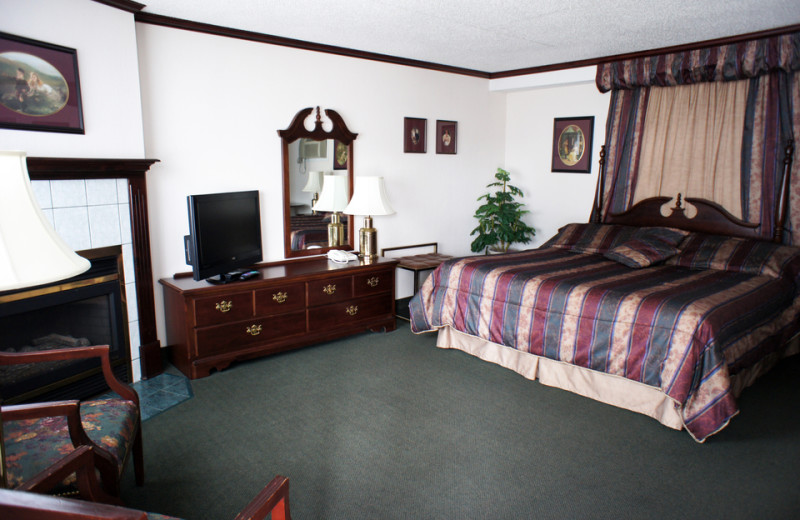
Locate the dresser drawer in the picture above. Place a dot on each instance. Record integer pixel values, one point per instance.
(373, 283)
(235, 336)
(346, 313)
(280, 299)
(222, 309)
(330, 290)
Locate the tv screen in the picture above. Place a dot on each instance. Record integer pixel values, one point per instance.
(225, 234)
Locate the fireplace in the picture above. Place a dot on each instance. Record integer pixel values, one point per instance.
(88, 309)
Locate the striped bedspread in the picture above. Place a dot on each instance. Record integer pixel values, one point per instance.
(683, 331)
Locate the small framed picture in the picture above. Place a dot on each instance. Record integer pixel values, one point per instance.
(572, 144)
(341, 155)
(39, 86)
(414, 135)
(446, 134)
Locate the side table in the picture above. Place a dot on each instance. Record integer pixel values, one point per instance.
(416, 264)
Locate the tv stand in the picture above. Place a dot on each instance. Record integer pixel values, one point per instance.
(290, 304)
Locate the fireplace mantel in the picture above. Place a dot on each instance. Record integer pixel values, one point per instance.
(134, 170)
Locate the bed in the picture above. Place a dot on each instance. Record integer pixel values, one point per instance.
(668, 316)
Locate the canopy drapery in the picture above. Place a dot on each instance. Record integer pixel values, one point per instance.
(771, 120)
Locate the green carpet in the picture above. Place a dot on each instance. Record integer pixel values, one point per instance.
(384, 426)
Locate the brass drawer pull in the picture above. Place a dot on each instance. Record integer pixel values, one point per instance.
(329, 289)
(280, 297)
(224, 306)
(254, 330)
(352, 310)
(374, 281)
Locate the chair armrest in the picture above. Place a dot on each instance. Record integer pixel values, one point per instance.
(72, 353)
(274, 499)
(82, 462)
(22, 505)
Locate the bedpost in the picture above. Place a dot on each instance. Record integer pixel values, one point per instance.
(783, 201)
(598, 194)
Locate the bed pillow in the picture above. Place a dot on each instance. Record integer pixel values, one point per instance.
(642, 252)
(589, 238)
(602, 238)
(745, 255)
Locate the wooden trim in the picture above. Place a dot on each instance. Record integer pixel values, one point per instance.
(125, 5)
(178, 23)
(652, 52)
(134, 170)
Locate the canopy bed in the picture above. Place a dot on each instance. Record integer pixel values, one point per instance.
(661, 305)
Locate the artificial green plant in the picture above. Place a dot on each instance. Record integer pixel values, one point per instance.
(500, 217)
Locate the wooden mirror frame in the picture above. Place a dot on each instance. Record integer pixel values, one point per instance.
(297, 130)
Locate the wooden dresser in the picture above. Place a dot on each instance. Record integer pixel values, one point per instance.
(289, 305)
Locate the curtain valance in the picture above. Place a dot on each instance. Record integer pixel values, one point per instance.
(731, 62)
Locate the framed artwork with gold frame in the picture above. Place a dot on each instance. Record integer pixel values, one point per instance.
(39, 86)
(572, 144)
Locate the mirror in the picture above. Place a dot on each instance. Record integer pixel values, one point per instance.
(309, 155)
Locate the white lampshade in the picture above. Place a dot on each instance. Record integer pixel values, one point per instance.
(334, 194)
(31, 253)
(369, 198)
(314, 184)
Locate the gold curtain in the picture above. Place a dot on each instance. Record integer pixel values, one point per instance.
(692, 143)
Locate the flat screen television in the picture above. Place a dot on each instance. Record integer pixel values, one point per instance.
(225, 235)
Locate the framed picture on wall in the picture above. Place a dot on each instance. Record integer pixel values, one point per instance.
(39, 86)
(341, 156)
(414, 135)
(446, 136)
(572, 144)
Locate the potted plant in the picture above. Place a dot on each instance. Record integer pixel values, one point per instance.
(500, 218)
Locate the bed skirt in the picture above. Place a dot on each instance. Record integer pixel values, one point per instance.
(606, 388)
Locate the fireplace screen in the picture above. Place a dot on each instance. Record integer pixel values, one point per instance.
(88, 312)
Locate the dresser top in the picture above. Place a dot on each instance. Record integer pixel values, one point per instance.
(301, 269)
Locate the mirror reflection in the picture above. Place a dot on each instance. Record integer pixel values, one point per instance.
(311, 162)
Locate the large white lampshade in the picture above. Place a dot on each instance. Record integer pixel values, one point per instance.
(369, 199)
(334, 194)
(31, 252)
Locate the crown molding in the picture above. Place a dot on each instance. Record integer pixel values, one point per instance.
(653, 52)
(178, 23)
(125, 5)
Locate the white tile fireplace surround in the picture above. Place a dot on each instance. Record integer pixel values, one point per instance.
(91, 213)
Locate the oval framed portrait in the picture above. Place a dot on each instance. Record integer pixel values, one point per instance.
(572, 144)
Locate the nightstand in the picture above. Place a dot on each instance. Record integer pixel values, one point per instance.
(416, 264)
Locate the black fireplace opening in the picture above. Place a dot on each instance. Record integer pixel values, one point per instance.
(81, 311)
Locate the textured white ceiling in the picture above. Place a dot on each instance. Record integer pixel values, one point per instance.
(491, 35)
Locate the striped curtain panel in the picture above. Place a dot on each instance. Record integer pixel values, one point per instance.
(771, 118)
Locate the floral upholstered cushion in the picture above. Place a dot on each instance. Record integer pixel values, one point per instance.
(33, 445)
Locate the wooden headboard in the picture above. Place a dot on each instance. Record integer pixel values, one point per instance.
(710, 217)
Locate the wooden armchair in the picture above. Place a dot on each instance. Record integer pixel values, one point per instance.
(35, 437)
(20, 505)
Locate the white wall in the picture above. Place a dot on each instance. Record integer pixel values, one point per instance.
(213, 106)
(554, 199)
(105, 40)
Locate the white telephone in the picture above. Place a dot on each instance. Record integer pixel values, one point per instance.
(341, 257)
